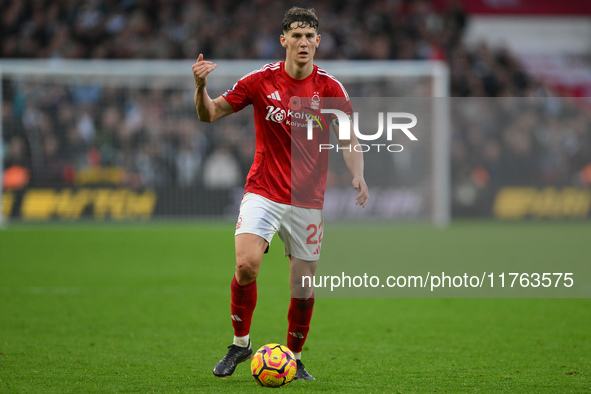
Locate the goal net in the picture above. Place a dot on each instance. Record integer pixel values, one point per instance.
(120, 140)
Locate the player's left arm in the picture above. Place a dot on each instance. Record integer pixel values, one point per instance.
(354, 161)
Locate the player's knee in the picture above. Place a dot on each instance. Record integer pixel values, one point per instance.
(300, 290)
(245, 275)
(302, 293)
(246, 270)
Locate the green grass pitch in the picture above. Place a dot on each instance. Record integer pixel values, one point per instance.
(140, 308)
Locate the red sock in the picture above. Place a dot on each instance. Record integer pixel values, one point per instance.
(298, 318)
(244, 299)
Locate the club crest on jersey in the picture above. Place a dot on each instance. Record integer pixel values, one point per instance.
(315, 102)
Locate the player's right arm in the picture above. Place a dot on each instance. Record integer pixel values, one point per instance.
(208, 110)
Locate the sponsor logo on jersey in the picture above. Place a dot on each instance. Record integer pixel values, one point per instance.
(274, 114)
(290, 117)
(274, 96)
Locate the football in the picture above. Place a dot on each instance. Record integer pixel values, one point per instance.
(273, 365)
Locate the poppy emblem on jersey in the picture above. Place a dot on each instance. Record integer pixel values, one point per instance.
(295, 103)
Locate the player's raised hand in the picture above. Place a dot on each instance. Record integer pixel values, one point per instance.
(363, 192)
(201, 68)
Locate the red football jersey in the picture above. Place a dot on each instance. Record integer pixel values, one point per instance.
(289, 167)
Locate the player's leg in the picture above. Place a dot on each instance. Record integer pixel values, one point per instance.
(300, 310)
(256, 226)
(302, 236)
(249, 256)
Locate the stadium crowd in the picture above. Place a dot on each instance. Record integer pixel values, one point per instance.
(57, 131)
(221, 29)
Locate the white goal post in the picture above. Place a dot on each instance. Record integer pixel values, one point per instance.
(39, 94)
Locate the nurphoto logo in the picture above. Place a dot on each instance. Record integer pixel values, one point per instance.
(344, 123)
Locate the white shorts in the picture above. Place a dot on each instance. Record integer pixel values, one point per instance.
(300, 229)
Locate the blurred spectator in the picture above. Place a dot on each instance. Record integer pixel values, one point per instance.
(17, 172)
(221, 170)
(189, 157)
(55, 168)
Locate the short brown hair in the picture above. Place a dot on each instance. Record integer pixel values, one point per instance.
(304, 16)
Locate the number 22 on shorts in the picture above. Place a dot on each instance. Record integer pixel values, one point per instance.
(315, 236)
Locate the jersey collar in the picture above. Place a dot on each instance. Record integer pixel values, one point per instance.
(294, 80)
